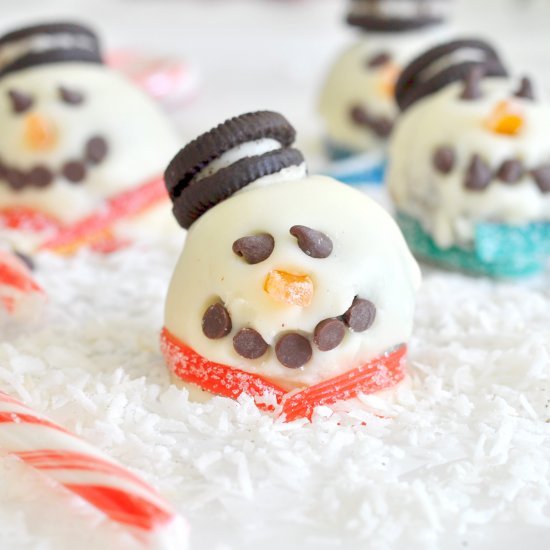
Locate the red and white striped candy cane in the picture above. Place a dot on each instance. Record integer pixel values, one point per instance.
(20, 295)
(83, 470)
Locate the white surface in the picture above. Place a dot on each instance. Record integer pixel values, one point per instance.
(462, 460)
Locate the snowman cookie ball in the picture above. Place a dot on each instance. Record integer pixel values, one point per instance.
(469, 166)
(78, 140)
(357, 101)
(294, 285)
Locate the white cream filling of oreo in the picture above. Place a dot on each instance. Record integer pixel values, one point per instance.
(241, 151)
(462, 55)
(398, 9)
(440, 202)
(39, 43)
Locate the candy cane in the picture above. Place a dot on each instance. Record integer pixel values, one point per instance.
(83, 470)
(20, 295)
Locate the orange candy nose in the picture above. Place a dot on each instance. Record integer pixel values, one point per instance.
(40, 133)
(506, 118)
(388, 78)
(288, 288)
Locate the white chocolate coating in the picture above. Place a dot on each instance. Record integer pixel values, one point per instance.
(370, 259)
(139, 137)
(352, 82)
(446, 209)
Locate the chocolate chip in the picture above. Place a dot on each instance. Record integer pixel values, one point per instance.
(27, 260)
(328, 334)
(96, 149)
(472, 88)
(254, 248)
(293, 350)
(40, 176)
(382, 126)
(478, 174)
(74, 171)
(360, 316)
(510, 171)
(248, 343)
(312, 242)
(359, 115)
(541, 176)
(20, 102)
(525, 89)
(378, 60)
(72, 97)
(216, 322)
(444, 159)
(16, 178)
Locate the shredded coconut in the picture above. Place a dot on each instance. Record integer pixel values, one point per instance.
(457, 457)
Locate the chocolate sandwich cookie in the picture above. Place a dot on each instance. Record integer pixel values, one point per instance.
(396, 15)
(465, 59)
(48, 43)
(193, 192)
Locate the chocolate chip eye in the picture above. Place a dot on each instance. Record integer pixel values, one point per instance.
(444, 159)
(72, 97)
(378, 60)
(312, 242)
(525, 90)
(254, 248)
(20, 101)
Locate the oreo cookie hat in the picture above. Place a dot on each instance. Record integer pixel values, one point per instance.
(288, 284)
(357, 100)
(469, 166)
(397, 15)
(75, 137)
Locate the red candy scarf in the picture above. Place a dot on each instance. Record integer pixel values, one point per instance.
(381, 373)
(96, 229)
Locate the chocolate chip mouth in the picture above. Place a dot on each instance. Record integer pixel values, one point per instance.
(479, 174)
(95, 151)
(292, 349)
(380, 125)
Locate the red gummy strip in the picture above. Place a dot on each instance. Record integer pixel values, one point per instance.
(213, 377)
(50, 459)
(123, 507)
(126, 204)
(27, 219)
(16, 278)
(381, 373)
(19, 418)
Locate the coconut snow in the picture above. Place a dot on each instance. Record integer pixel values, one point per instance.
(459, 458)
